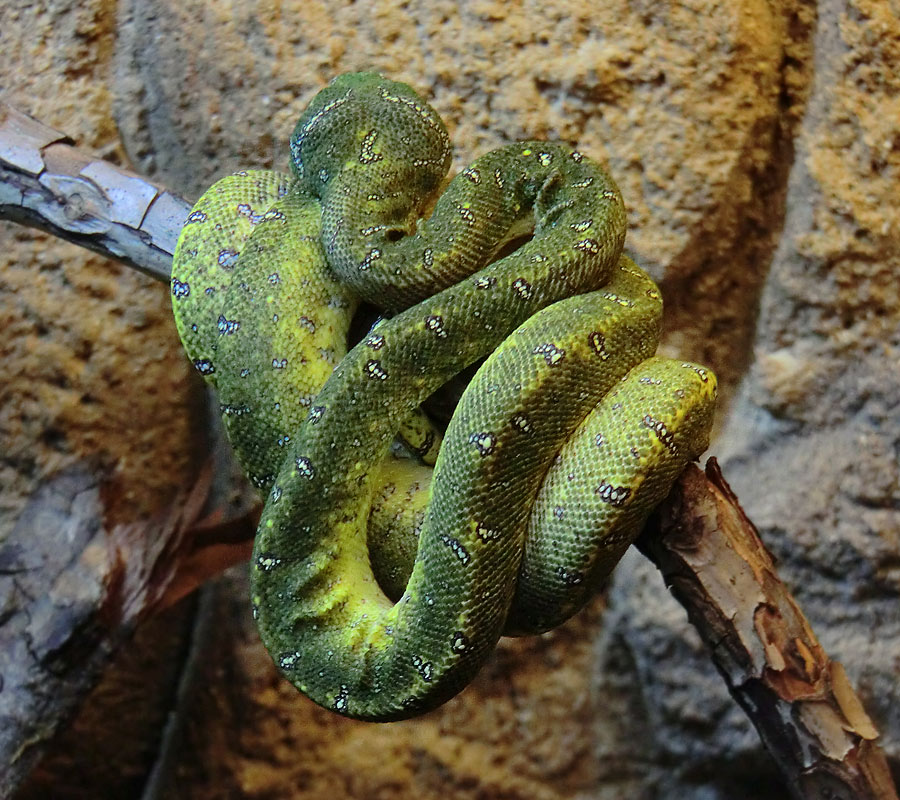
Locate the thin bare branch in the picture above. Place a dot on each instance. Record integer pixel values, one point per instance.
(47, 183)
(803, 706)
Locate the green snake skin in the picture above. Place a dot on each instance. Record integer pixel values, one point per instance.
(569, 434)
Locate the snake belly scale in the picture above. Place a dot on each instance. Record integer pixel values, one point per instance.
(569, 434)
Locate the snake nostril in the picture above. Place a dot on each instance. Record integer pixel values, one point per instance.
(394, 235)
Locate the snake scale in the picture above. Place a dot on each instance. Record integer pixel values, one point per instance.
(568, 435)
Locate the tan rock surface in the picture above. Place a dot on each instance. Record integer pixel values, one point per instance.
(92, 372)
(757, 144)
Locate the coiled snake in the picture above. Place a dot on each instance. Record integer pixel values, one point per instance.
(569, 434)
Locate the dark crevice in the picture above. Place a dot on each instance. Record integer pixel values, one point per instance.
(713, 288)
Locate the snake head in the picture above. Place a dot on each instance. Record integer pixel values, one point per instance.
(377, 122)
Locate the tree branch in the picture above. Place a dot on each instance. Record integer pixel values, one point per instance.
(802, 704)
(48, 184)
(804, 708)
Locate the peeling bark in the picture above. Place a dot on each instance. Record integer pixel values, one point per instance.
(802, 704)
(46, 183)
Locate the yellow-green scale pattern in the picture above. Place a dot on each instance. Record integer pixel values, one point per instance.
(568, 435)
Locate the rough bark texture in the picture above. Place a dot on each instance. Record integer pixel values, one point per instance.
(758, 147)
(800, 702)
(47, 184)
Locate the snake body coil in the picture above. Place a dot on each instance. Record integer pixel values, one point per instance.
(568, 435)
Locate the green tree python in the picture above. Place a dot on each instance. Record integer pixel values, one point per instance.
(568, 435)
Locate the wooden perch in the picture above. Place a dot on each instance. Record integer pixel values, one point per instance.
(69, 601)
(802, 704)
(48, 184)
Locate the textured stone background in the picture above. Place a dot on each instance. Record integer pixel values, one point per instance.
(757, 144)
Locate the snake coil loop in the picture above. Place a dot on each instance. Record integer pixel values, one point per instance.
(569, 434)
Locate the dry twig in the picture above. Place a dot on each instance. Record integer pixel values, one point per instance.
(48, 184)
(802, 704)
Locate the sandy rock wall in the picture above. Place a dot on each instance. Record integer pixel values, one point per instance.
(757, 145)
